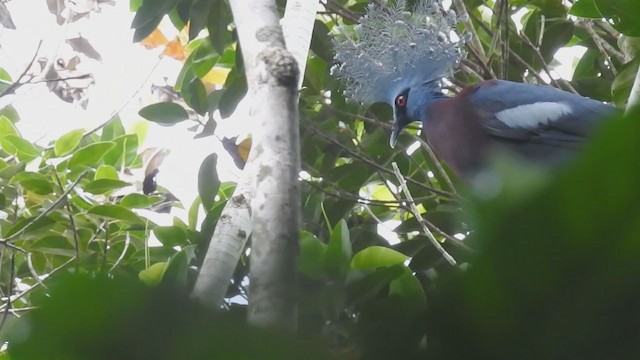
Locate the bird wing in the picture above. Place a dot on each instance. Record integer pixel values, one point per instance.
(535, 113)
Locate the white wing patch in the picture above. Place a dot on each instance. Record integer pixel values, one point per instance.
(531, 116)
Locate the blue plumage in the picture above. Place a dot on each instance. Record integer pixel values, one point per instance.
(540, 123)
(400, 58)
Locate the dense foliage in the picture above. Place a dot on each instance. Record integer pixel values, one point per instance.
(547, 267)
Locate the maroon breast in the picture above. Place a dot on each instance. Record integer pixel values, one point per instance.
(456, 136)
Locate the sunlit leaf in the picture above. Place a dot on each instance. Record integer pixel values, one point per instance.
(102, 186)
(338, 255)
(152, 276)
(116, 212)
(106, 172)
(312, 254)
(139, 201)
(35, 182)
(377, 256)
(91, 154)
(68, 142)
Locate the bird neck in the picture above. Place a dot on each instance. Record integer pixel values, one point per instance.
(428, 96)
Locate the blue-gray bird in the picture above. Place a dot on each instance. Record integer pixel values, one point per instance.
(401, 57)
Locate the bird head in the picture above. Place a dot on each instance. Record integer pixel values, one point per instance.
(398, 57)
(411, 105)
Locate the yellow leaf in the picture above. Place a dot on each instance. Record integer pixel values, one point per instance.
(155, 39)
(216, 76)
(243, 148)
(175, 50)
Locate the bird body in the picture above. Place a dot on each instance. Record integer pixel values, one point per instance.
(400, 57)
(542, 124)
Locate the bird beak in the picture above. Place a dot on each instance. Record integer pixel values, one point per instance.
(395, 131)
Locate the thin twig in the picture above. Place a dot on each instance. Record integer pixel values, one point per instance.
(453, 240)
(72, 222)
(127, 241)
(36, 276)
(18, 83)
(536, 50)
(116, 112)
(436, 163)
(336, 8)
(475, 43)
(373, 163)
(489, 74)
(11, 280)
(45, 212)
(600, 44)
(432, 156)
(29, 289)
(416, 213)
(515, 55)
(345, 195)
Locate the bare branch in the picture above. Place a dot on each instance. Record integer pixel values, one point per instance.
(418, 216)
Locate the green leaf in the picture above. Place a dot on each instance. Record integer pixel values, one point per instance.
(624, 14)
(365, 288)
(7, 127)
(54, 245)
(208, 182)
(90, 154)
(10, 112)
(139, 201)
(198, 17)
(176, 274)
(171, 235)
(217, 24)
(411, 292)
(10, 171)
(124, 152)
(312, 254)
(192, 215)
(106, 172)
(235, 90)
(585, 9)
(203, 58)
(14, 144)
(149, 16)
(374, 257)
(622, 84)
(164, 113)
(102, 186)
(338, 255)
(31, 225)
(152, 276)
(112, 130)
(116, 212)
(321, 42)
(34, 182)
(68, 142)
(195, 95)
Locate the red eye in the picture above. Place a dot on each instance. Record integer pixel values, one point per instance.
(401, 101)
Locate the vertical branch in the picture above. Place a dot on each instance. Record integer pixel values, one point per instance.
(226, 246)
(297, 27)
(272, 77)
(235, 224)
